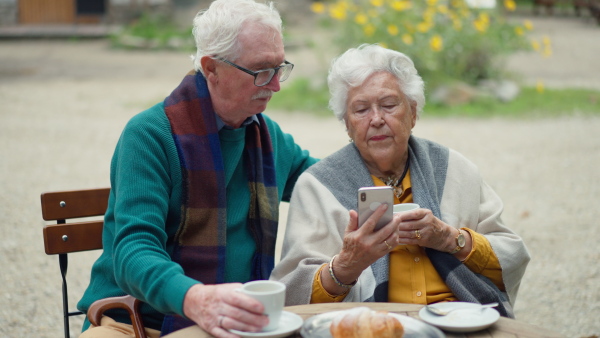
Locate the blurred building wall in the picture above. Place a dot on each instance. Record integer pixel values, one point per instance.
(24, 12)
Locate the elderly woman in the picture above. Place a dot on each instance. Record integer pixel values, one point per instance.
(455, 247)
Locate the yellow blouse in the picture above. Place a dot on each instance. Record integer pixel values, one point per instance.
(413, 279)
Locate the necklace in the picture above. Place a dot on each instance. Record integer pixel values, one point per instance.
(396, 182)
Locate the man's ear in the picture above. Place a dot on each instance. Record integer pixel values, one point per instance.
(209, 66)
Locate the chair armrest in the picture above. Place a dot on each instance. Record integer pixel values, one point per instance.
(127, 302)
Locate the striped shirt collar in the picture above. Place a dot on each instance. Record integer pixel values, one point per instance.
(221, 124)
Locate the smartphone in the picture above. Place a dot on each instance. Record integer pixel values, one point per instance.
(369, 198)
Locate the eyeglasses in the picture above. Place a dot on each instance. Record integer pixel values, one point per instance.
(264, 76)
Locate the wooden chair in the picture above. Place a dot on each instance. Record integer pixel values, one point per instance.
(63, 238)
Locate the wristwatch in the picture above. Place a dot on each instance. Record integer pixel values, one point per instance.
(460, 242)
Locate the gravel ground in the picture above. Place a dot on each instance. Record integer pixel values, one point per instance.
(64, 104)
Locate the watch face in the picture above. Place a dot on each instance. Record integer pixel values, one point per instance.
(461, 240)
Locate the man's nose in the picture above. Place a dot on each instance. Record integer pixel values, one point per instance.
(274, 84)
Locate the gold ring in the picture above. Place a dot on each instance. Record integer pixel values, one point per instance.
(417, 234)
(388, 246)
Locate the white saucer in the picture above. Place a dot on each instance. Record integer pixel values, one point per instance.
(318, 326)
(469, 318)
(288, 323)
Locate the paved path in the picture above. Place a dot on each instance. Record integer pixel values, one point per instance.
(575, 58)
(65, 103)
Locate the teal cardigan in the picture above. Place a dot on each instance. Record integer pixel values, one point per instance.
(144, 208)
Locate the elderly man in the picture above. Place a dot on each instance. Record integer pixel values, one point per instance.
(196, 184)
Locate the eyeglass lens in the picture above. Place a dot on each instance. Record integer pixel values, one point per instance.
(265, 76)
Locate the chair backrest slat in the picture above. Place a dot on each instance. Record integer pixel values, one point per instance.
(74, 204)
(73, 237)
(71, 234)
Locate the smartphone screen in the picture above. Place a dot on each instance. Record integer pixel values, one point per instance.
(369, 199)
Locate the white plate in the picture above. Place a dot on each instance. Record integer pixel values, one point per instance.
(469, 318)
(288, 323)
(318, 326)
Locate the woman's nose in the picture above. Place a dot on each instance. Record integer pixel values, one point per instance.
(377, 117)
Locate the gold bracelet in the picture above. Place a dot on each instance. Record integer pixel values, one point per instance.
(345, 286)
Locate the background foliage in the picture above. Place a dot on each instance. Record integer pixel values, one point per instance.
(447, 39)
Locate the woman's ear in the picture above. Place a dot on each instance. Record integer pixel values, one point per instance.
(209, 66)
(413, 110)
(348, 129)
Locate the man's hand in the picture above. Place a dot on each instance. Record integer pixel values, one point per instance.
(219, 308)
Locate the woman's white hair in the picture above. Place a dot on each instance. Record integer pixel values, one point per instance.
(216, 29)
(352, 68)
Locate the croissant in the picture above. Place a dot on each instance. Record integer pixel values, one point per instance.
(366, 324)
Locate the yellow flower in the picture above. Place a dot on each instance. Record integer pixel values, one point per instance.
(546, 41)
(423, 27)
(429, 14)
(482, 22)
(431, 2)
(361, 19)
(535, 45)
(510, 5)
(519, 30)
(539, 86)
(436, 43)
(481, 26)
(442, 9)
(528, 25)
(401, 5)
(484, 17)
(317, 7)
(547, 52)
(383, 44)
(338, 11)
(377, 3)
(369, 30)
(392, 29)
(407, 39)
(458, 3)
(457, 24)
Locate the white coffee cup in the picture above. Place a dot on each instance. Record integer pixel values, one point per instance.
(271, 294)
(398, 208)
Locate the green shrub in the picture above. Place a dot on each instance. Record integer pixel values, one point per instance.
(533, 102)
(154, 31)
(447, 40)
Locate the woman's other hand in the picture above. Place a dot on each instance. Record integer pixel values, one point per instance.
(218, 308)
(422, 228)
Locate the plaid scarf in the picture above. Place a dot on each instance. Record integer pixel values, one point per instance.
(200, 242)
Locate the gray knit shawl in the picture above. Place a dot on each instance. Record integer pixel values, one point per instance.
(428, 167)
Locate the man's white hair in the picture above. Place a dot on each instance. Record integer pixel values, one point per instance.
(352, 68)
(216, 29)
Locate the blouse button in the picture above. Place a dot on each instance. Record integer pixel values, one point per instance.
(417, 259)
(419, 293)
